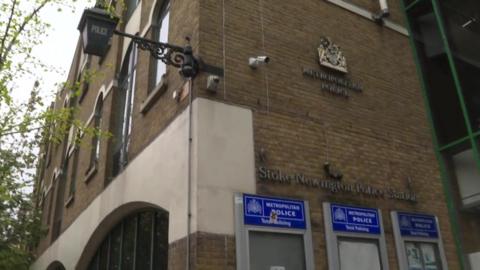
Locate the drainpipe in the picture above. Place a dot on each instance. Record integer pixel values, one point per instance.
(189, 180)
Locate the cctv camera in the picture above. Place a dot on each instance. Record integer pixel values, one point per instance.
(212, 83)
(384, 8)
(384, 12)
(378, 18)
(254, 62)
(263, 59)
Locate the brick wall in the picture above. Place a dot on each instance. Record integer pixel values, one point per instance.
(207, 252)
(378, 137)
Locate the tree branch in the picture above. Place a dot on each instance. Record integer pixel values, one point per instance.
(26, 20)
(18, 132)
(7, 29)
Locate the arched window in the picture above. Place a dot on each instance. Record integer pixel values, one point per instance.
(73, 173)
(97, 123)
(69, 106)
(56, 266)
(160, 27)
(140, 241)
(83, 79)
(124, 111)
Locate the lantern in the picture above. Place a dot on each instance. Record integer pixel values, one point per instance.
(96, 27)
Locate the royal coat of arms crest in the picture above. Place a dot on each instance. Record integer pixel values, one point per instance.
(331, 56)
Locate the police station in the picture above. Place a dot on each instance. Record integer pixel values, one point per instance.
(268, 135)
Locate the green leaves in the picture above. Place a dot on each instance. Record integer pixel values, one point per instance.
(26, 127)
(21, 128)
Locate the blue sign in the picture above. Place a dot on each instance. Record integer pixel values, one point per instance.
(417, 225)
(355, 219)
(273, 212)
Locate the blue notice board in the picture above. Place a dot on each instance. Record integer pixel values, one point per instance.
(417, 225)
(355, 219)
(273, 212)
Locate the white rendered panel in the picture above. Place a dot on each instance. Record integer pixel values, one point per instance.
(474, 259)
(223, 161)
(467, 176)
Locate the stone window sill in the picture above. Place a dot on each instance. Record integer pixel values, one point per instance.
(90, 173)
(156, 93)
(70, 200)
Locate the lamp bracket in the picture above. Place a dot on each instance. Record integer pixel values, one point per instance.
(167, 53)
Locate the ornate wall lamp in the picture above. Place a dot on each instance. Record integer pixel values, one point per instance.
(97, 27)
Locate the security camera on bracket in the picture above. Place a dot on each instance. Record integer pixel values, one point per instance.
(254, 62)
(384, 12)
(212, 83)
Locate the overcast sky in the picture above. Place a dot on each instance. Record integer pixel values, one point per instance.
(57, 49)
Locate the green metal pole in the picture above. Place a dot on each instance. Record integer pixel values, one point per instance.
(412, 4)
(454, 143)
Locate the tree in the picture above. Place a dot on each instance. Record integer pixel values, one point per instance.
(20, 29)
(23, 127)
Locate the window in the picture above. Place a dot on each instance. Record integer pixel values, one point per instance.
(115, 247)
(352, 245)
(73, 174)
(355, 254)
(129, 229)
(62, 178)
(70, 139)
(160, 33)
(51, 190)
(422, 256)
(257, 231)
(97, 124)
(56, 266)
(140, 241)
(289, 250)
(41, 197)
(83, 80)
(124, 98)
(49, 136)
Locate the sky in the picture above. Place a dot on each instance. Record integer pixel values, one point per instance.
(56, 50)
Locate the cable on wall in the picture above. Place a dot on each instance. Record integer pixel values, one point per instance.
(224, 52)
(260, 10)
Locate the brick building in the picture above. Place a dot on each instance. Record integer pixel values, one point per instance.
(319, 157)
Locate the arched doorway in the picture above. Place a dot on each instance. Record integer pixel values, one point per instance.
(56, 265)
(137, 241)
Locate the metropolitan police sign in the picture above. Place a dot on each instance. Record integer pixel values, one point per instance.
(417, 225)
(355, 219)
(273, 212)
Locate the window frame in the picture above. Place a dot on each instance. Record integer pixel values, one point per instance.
(124, 111)
(96, 140)
(242, 235)
(83, 78)
(400, 242)
(162, 10)
(332, 239)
